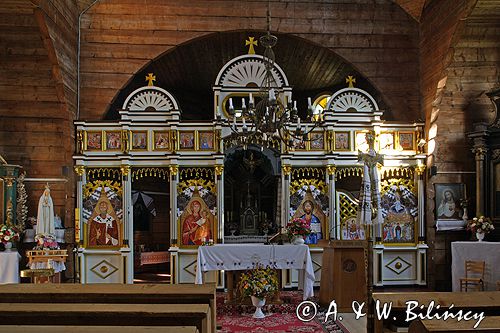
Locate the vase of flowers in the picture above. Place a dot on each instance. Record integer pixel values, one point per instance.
(46, 242)
(298, 229)
(481, 226)
(9, 235)
(258, 283)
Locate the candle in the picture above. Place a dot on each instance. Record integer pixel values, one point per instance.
(230, 103)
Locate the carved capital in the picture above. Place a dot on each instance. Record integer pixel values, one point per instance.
(419, 169)
(125, 169)
(331, 169)
(79, 170)
(480, 153)
(219, 169)
(174, 170)
(9, 181)
(287, 169)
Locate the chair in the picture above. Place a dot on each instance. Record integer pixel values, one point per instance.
(474, 276)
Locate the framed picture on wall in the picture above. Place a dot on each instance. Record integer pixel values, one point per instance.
(161, 141)
(317, 141)
(94, 141)
(113, 140)
(386, 141)
(205, 140)
(447, 201)
(341, 141)
(140, 140)
(186, 140)
(406, 140)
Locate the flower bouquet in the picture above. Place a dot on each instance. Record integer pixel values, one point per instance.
(298, 229)
(8, 235)
(46, 242)
(258, 283)
(481, 226)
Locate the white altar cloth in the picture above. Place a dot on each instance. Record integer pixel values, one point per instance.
(9, 267)
(489, 252)
(233, 257)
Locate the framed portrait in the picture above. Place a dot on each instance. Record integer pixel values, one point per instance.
(94, 141)
(341, 141)
(104, 227)
(205, 140)
(407, 140)
(186, 140)
(113, 140)
(139, 140)
(317, 141)
(351, 229)
(161, 141)
(447, 201)
(386, 141)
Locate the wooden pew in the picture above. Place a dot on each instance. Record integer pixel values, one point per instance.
(112, 293)
(98, 329)
(41, 314)
(487, 301)
(489, 324)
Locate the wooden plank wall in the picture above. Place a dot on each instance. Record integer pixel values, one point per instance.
(119, 37)
(38, 95)
(470, 65)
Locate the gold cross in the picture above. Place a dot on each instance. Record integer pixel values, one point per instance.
(251, 41)
(150, 78)
(350, 80)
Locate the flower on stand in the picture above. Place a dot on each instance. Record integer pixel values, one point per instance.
(480, 224)
(259, 282)
(46, 242)
(8, 234)
(298, 228)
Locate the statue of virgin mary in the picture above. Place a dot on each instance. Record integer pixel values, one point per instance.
(45, 218)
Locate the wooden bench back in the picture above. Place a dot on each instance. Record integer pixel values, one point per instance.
(489, 324)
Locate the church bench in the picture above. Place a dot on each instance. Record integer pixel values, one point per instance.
(112, 293)
(107, 315)
(487, 301)
(97, 329)
(488, 324)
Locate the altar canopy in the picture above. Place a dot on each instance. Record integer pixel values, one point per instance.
(234, 257)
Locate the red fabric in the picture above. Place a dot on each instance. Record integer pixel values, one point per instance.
(277, 323)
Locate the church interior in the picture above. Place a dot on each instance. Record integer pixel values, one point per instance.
(250, 166)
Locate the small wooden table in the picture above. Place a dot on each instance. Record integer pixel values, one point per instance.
(46, 257)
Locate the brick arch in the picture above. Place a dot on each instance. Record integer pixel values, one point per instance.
(119, 38)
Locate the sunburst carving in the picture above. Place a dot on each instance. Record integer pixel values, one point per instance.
(149, 100)
(249, 71)
(352, 100)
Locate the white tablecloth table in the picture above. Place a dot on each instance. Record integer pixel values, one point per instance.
(489, 252)
(9, 267)
(233, 257)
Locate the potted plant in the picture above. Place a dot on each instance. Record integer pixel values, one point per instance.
(481, 226)
(259, 283)
(298, 229)
(8, 236)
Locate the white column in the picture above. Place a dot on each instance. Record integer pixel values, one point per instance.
(128, 224)
(174, 248)
(419, 171)
(219, 181)
(330, 180)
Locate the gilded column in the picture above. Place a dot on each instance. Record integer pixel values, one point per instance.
(219, 180)
(330, 180)
(80, 183)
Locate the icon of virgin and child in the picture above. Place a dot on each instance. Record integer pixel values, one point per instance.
(103, 225)
(314, 215)
(197, 222)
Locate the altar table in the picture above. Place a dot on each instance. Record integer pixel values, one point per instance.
(235, 257)
(9, 267)
(489, 252)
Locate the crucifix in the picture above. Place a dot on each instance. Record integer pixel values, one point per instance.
(252, 42)
(150, 78)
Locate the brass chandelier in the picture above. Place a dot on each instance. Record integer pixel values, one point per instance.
(268, 122)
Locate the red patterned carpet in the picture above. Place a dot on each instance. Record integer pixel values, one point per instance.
(279, 318)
